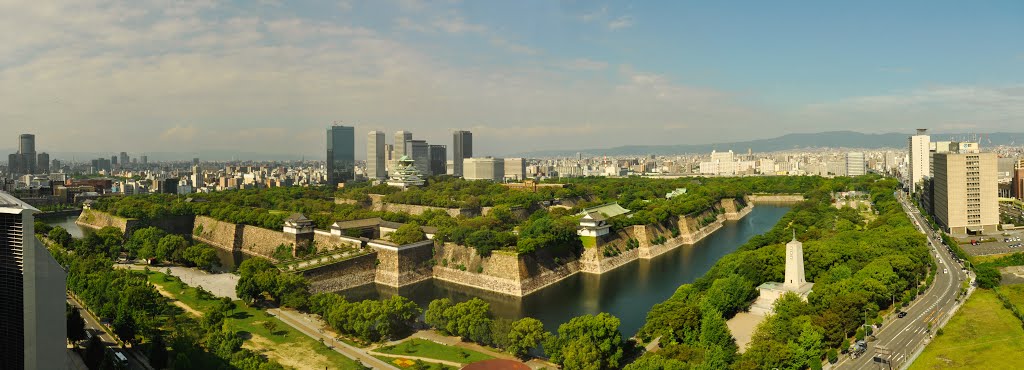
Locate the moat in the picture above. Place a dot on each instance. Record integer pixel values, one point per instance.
(627, 292)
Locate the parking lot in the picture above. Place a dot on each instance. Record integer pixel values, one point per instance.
(1000, 246)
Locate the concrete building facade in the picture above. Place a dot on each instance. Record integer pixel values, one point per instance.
(419, 152)
(462, 148)
(919, 156)
(486, 168)
(33, 331)
(341, 154)
(855, 164)
(438, 159)
(964, 195)
(515, 169)
(375, 156)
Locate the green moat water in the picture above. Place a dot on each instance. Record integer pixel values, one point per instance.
(627, 292)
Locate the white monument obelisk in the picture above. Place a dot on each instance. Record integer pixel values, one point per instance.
(794, 265)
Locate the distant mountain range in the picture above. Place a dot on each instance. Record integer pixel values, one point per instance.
(831, 139)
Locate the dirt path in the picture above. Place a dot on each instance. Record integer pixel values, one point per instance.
(178, 303)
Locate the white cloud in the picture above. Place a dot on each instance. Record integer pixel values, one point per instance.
(456, 24)
(620, 23)
(179, 133)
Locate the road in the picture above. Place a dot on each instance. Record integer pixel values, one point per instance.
(899, 338)
(93, 325)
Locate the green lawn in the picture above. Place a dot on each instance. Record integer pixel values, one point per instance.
(404, 363)
(1016, 294)
(283, 344)
(427, 349)
(982, 335)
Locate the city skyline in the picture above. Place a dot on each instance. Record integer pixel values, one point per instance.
(578, 75)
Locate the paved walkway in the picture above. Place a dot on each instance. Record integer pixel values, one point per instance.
(221, 285)
(314, 329)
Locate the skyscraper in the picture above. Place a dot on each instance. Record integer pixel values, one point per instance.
(124, 159)
(341, 154)
(401, 137)
(375, 155)
(145, 160)
(27, 149)
(33, 332)
(438, 159)
(419, 151)
(919, 155)
(855, 164)
(43, 162)
(462, 148)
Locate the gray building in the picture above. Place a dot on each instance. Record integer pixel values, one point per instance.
(419, 151)
(438, 159)
(33, 331)
(401, 138)
(486, 168)
(27, 149)
(515, 169)
(43, 162)
(855, 164)
(462, 148)
(375, 157)
(145, 160)
(341, 154)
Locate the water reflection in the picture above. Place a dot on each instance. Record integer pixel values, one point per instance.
(627, 292)
(67, 222)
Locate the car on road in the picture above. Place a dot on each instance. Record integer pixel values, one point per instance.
(902, 314)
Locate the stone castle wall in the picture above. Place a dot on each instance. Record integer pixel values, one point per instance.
(97, 220)
(398, 267)
(261, 242)
(219, 234)
(350, 273)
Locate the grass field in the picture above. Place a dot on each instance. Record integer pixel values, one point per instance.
(1016, 294)
(982, 335)
(282, 344)
(425, 348)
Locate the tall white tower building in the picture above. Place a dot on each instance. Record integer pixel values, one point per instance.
(375, 156)
(794, 265)
(919, 156)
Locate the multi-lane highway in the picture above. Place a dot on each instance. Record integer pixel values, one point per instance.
(898, 338)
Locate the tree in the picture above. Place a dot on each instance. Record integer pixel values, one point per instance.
(170, 248)
(60, 236)
(75, 325)
(525, 334)
(500, 329)
(988, 276)
(587, 342)
(435, 314)
(201, 256)
(652, 361)
(715, 333)
(158, 355)
(470, 320)
(93, 353)
(407, 234)
(125, 327)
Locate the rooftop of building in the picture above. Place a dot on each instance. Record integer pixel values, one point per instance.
(608, 210)
(9, 202)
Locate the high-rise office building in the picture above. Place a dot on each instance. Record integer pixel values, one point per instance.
(515, 169)
(401, 137)
(1017, 184)
(43, 162)
(375, 156)
(145, 159)
(33, 331)
(855, 164)
(919, 156)
(113, 160)
(419, 151)
(341, 154)
(55, 165)
(964, 192)
(438, 159)
(124, 159)
(27, 149)
(486, 168)
(462, 148)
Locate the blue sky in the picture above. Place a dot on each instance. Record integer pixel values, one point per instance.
(524, 75)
